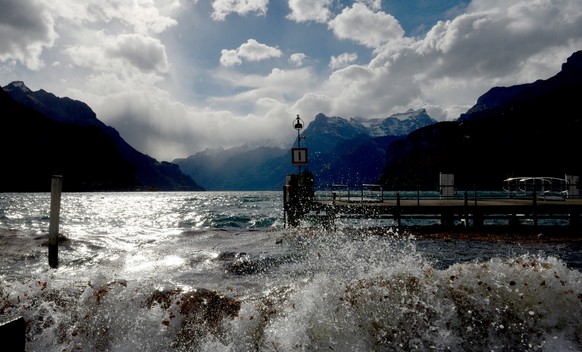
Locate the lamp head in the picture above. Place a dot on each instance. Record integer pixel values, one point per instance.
(298, 124)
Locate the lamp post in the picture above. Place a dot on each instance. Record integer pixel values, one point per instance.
(298, 192)
(298, 125)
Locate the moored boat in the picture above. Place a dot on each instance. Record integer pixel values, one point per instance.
(549, 188)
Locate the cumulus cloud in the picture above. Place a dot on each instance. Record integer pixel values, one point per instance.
(185, 128)
(444, 71)
(312, 104)
(26, 29)
(250, 51)
(151, 120)
(283, 85)
(342, 60)
(121, 53)
(223, 8)
(145, 53)
(358, 90)
(145, 17)
(494, 42)
(366, 27)
(309, 10)
(98, 35)
(373, 4)
(460, 59)
(125, 59)
(297, 58)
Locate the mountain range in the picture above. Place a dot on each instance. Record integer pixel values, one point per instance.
(340, 151)
(531, 129)
(44, 135)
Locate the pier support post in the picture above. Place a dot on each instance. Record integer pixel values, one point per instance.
(514, 220)
(398, 211)
(574, 219)
(466, 209)
(298, 197)
(535, 209)
(478, 218)
(53, 242)
(447, 219)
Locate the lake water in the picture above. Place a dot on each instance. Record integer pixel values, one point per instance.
(218, 271)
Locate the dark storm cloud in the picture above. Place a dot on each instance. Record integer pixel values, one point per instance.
(25, 29)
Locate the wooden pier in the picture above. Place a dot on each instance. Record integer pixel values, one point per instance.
(466, 209)
(533, 200)
(450, 211)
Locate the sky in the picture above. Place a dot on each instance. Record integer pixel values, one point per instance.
(175, 77)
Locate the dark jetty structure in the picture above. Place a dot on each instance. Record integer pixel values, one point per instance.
(467, 209)
(534, 204)
(298, 197)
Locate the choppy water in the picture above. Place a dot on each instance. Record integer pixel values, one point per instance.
(218, 271)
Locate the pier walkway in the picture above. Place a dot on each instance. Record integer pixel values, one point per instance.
(446, 206)
(471, 211)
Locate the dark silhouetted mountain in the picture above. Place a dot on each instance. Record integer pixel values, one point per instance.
(340, 151)
(248, 168)
(325, 133)
(44, 135)
(531, 129)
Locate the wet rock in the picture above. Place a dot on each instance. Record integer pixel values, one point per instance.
(228, 256)
(245, 265)
(201, 311)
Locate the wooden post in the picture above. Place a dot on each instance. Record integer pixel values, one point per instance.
(53, 244)
(534, 208)
(398, 219)
(514, 220)
(298, 196)
(447, 218)
(285, 205)
(475, 193)
(466, 208)
(574, 219)
(478, 218)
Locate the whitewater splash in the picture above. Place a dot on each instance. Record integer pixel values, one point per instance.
(296, 290)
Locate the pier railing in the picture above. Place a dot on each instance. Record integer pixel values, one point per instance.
(375, 193)
(449, 207)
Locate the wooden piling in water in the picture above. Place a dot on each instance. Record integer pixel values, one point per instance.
(398, 210)
(53, 243)
(298, 195)
(534, 209)
(466, 208)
